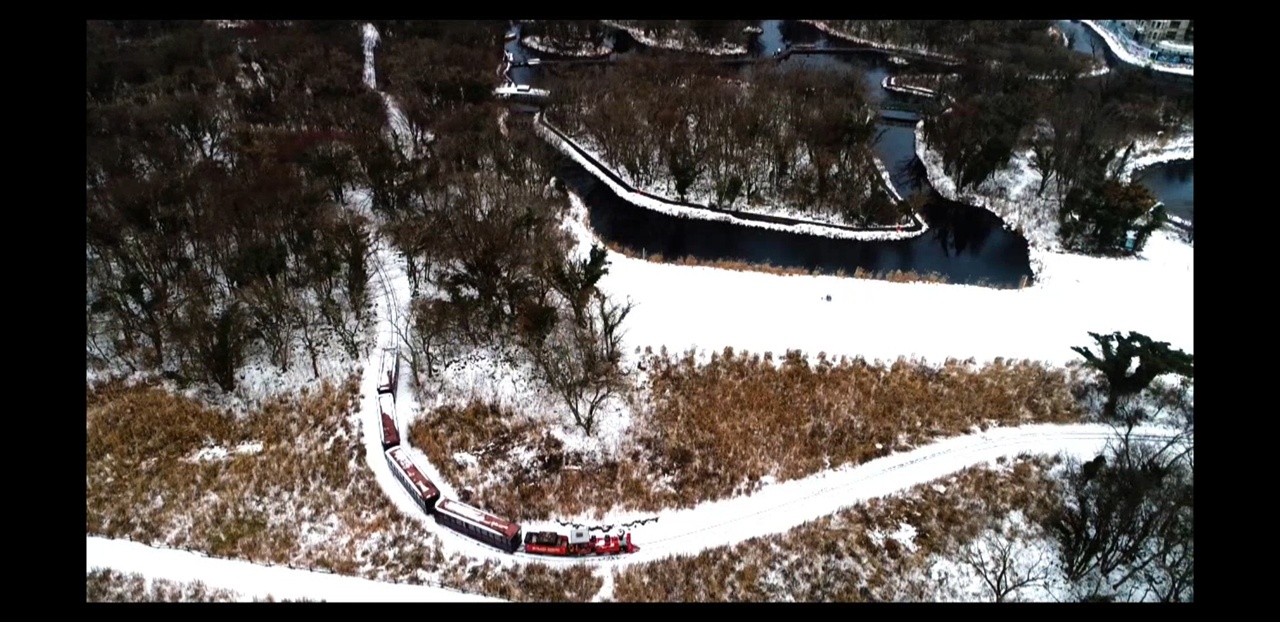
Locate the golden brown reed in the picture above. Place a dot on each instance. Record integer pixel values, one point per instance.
(714, 430)
(307, 498)
(717, 429)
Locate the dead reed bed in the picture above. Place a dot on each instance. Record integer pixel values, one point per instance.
(541, 583)
(286, 484)
(111, 586)
(499, 460)
(717, 429)
(850, 556)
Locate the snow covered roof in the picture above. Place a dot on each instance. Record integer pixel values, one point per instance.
(1179, 48)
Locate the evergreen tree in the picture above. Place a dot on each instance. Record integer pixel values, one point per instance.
(1154, 358)
(1099, 219)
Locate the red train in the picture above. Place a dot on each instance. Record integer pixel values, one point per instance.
(387, 417)
(476, 523)
(389, 371)
(577, 543)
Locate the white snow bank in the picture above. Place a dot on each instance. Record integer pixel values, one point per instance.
(709, 309)
(248, 579)
(370, 41)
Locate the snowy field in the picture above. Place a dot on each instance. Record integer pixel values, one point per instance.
(684, 307)
(777, 508)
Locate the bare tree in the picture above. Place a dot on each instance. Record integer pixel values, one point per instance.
(1005, 562)
(579, 360)
(1128, 522)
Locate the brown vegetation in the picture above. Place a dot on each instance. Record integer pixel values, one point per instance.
(105, 585)
(841, 557)
(713, 430)
(540, 583)
(304, 499)
(553, 483)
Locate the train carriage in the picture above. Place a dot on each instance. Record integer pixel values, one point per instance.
(389, 371)
(578, 543)
(478, 524)
(387, 416)
(424, 493)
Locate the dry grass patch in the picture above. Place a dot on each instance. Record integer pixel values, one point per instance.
(515, 468)
(111, 586)
(895, 276)
(300, 494)
(850, 556)
(541, 583)
(715, 430)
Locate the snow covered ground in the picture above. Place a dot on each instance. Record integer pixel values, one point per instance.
(250, 580)
(1180, 146)
(683, 307)
(777, 508)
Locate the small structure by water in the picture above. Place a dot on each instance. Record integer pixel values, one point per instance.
(521, 92)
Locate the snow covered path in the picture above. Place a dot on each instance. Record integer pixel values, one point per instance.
(772, 510)
(252, 580)
(780, 507)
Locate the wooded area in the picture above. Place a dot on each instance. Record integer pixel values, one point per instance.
(793, 137)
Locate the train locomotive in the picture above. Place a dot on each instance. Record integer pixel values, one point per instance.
(474, 522)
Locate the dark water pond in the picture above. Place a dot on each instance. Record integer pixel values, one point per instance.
(964, 244)
(1174, 184)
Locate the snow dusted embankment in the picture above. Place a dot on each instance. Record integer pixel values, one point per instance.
(1009, 193)
(254, 580)
(1155, 151)
(643, 199)
(1124, 53)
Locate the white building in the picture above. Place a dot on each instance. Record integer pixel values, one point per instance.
(1152, 31)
